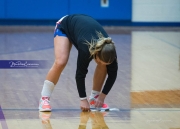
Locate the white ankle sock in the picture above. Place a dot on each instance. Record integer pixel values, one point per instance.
(94, 93)
(47, 88)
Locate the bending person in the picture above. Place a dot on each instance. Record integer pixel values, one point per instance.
(92, 42)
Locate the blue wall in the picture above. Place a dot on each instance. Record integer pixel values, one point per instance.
(53, 10)
(2, 8)
(47, 12)
(117, 10)
(31, 9)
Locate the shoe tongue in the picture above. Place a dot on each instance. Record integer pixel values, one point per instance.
(46, 103)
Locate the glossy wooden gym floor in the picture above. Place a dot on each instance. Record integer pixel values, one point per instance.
(146, 92)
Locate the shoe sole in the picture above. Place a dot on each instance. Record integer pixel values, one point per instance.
(109, 109)
(99, 108)
(44, 110)
(92, 107)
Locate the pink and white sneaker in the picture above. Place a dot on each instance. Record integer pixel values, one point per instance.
(92, 102)
(44, 104)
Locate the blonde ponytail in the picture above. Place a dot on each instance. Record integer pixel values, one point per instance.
(101, 46)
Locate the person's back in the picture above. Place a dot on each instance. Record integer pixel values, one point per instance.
(80, 28)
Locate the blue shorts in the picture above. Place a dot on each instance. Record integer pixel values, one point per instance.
(58, 32)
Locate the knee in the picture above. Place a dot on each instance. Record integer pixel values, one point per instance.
(60, 63)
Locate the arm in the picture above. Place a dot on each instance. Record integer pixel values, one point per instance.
(82, 69)
(112, 74)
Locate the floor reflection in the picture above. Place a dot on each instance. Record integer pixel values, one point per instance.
(96, 118)
(45, 119)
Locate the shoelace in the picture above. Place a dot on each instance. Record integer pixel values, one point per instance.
(45, 100)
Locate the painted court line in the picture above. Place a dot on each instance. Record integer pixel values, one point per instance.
(171, 44)
(74, 109)
(3, 120)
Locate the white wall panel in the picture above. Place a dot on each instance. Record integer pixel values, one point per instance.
(156, 11)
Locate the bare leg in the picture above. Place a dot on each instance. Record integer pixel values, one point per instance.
(99, 77)
(98, 81)
(62, 47)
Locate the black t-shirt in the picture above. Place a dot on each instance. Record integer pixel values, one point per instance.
(79, 29)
